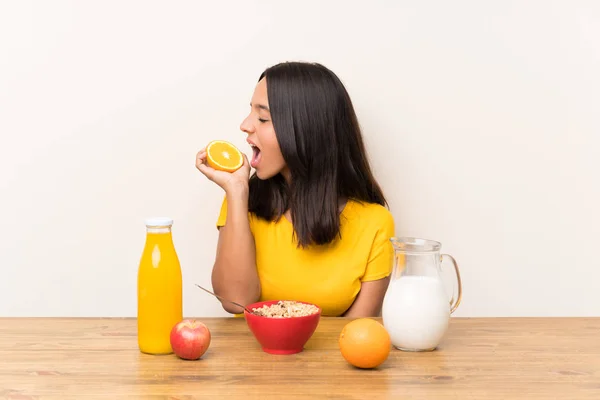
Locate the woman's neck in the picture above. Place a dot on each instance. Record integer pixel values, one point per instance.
(287, 175)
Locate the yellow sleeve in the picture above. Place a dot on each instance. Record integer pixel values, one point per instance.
(381, 258)
(222, 214)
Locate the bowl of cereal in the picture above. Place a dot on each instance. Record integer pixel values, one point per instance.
(282, 327)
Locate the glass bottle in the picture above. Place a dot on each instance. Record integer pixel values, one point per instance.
(159, 288)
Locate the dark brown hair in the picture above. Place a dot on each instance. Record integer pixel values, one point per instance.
(321, 142)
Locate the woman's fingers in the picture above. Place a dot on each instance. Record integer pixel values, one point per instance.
(200, 157)
(201, 164)
(219, 177)
(245, 169)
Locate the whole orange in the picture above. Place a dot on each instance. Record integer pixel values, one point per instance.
(365, 343)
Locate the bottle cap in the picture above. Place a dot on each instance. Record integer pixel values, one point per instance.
(159, 222)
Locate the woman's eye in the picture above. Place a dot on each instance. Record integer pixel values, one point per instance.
(262, 120)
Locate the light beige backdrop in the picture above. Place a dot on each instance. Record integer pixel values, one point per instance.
(481, 120)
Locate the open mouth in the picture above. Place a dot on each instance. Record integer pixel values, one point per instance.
(255, 156)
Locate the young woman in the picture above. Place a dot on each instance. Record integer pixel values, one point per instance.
(311, 223)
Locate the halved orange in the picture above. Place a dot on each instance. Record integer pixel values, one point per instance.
(223, 156)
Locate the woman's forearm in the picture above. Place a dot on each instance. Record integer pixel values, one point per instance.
(234, 274)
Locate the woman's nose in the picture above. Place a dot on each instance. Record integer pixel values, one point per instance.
(246, 126)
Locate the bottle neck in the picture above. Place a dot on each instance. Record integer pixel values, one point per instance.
(158, 230)
(159, 237)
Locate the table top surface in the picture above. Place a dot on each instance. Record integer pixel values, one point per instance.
(479, 358)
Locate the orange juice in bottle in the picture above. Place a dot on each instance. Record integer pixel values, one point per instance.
(159, 292)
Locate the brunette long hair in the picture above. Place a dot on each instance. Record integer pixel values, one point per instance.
(321, 142)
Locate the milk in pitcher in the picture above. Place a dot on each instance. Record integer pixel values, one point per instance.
(416, 312)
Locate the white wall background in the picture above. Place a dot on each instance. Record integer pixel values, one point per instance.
(481, 119)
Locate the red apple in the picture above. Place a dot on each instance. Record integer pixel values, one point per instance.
(190, 339)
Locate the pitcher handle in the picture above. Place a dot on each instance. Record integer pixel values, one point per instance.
(454, 303)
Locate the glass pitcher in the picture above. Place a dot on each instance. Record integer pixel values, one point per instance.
(416, 307)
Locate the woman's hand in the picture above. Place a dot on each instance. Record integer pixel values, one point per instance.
(228, 181)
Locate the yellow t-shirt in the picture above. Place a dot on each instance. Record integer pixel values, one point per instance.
(329, 275)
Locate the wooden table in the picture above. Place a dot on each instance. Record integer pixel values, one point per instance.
(479, 359)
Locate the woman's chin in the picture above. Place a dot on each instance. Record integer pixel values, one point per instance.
(260, 174)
